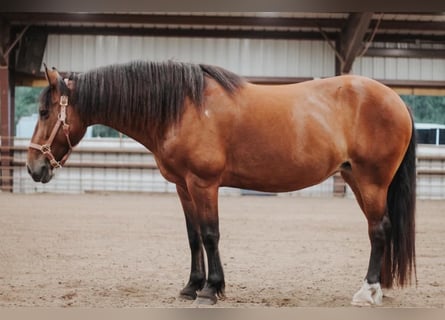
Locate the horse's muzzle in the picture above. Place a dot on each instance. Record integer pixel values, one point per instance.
(41, 171)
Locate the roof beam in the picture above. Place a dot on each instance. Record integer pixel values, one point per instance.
(388, 30)
(424, 26)
(406, 53)
(179, 32)
(172, 19)
(409, 37)
(215, 20)
(351, 38)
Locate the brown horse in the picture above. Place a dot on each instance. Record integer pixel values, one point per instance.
(207, 128)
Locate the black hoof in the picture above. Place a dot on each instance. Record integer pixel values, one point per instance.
(188, 294)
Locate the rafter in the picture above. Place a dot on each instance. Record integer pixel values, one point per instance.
(172, 20)
(351, 38)
(406, 53)
(182, 32)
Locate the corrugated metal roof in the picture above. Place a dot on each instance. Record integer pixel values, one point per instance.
(385, 25)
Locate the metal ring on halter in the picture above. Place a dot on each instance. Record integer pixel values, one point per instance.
(45, 149)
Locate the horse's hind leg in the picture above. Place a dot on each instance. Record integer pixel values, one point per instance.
(372, 200)
(197, 273)
(350, 180)
(374, 206)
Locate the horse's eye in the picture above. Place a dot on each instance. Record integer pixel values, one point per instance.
(43, 113)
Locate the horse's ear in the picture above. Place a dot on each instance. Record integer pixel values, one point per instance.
(52, 76)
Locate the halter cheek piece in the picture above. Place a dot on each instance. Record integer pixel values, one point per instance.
(46, 148)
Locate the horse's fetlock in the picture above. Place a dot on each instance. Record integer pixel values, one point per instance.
(216, 281)
(197, 278)
(210, 239)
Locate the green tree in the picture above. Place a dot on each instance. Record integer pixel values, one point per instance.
(426, 109)
(104, 131)
(26, 101)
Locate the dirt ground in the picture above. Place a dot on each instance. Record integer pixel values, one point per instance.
(131, 250)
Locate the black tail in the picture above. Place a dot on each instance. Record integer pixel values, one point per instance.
(400, 250)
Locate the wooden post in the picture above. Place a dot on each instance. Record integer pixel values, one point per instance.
(339, 185)
(6, 111)
(351, 38)
(6, 131)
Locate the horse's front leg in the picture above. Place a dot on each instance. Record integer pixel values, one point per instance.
(197, 273)
(205, 198)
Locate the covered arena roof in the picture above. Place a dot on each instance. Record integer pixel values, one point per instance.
(397, 27)
(348, 34)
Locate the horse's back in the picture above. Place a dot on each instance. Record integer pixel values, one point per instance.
(288, 137)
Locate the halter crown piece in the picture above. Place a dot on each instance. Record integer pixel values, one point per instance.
(46, 148)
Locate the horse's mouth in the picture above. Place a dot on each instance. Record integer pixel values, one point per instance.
(47, 177)
(43, 173)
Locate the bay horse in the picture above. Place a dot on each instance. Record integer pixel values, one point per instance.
(208, 127)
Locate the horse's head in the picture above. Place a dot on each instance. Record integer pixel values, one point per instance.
(58, 129)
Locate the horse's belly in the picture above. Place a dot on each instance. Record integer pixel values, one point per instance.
(268, 187)
(278, 179)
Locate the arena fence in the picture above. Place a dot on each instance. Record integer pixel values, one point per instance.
(122, 165)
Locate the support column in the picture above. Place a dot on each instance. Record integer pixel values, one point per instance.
(351, 39)
(6, 131)
(6, 112)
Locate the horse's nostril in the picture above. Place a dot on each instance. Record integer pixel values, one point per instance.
(35, 172)
(36, 176)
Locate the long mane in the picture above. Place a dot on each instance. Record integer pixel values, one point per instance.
(146, 93)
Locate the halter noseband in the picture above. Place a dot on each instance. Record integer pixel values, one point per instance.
(46, 148)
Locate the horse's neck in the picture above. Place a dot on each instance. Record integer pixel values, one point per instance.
(143, 136)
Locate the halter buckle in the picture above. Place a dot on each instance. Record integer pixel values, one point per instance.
(63, 101)
(45, 149)
(55, 163)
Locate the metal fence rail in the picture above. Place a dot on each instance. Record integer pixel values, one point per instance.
(111, 165)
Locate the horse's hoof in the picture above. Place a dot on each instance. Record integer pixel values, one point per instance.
(187, 297)
(368, 295)
(187, 294)
(206, 301)
(358, 303)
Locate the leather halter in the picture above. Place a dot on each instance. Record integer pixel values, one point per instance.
(46, 148)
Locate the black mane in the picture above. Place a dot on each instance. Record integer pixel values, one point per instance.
(146, 93)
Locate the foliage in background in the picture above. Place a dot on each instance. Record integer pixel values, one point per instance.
(104, 131)
(26, 101)
(426, 109)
